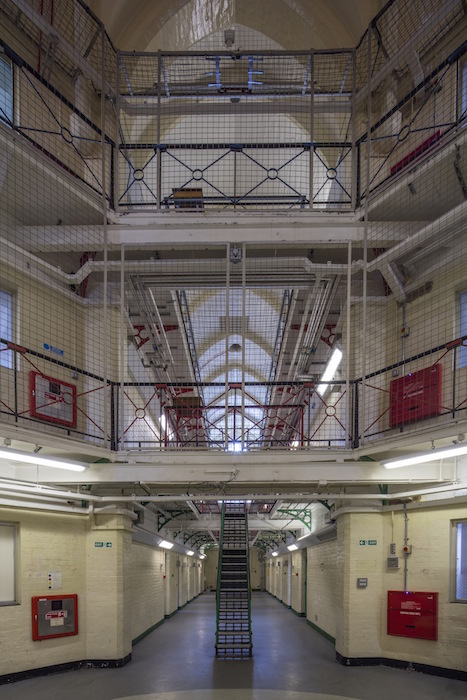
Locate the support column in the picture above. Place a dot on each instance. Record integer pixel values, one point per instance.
(359, 613)
(108, 590)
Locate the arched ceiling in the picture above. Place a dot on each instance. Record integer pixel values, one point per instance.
(178, 25)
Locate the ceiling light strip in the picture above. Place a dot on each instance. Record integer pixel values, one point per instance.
(432, 456)
(39, 461)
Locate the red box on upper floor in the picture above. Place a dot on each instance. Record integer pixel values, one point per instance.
(415, 396)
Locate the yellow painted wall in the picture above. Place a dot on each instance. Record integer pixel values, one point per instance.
(147, 588)
(321, 584)
(47, 543)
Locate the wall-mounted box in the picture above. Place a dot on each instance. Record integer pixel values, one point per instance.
(413, 614)
(415, 396)
(54, 616)
(52, 400)
(392, 562)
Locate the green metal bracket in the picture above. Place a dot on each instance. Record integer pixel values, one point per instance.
(304, 516)
(383, 488)
(325, 504)
(162, 519)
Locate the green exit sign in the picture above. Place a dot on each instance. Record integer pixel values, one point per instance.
(372, 541)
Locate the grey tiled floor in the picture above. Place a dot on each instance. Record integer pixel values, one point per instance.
(290, 661)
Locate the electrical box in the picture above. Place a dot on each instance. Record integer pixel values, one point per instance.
(392, 562)
(413, 614)
(52, 400)
(54, 616)
(415, 396)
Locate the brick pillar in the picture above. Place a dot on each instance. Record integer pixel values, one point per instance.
(359, 612)
(108, 589)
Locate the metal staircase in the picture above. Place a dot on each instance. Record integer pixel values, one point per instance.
(233, 629)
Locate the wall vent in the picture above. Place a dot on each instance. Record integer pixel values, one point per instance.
(417, 293)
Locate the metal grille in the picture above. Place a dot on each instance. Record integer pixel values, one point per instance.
(223, 131)
(186, 238)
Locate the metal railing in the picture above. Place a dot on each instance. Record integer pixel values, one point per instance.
(307, 171)
(301, 418)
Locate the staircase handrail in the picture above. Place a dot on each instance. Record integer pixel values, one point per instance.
(247, 550)
(219, 570)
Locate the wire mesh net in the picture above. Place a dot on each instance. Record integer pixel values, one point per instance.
(130, 318)
(234, 131)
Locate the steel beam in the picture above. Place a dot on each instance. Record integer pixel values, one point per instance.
(281, 470)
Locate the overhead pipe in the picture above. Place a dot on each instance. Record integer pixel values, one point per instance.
(39, 490)
(8, 499)
(293, 303)
(453, 218)
(46, 506)
(147, 266)
(115, 511)
(70, 495)
(452, 222)
(290, 497)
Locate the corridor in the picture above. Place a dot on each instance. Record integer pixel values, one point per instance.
(290, 661)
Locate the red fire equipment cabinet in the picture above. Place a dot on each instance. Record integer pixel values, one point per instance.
(413, 614)
(52, 400)
(54, 616)
(415, 396)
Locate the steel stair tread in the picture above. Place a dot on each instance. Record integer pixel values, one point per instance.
(233, 628)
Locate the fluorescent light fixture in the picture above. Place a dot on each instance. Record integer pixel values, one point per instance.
(330, 371)
(33, 458)
(431, 456)
(275, 554)
(304, 536)
(202, 556)
(292, 547)
(190, 553)
(165, 544)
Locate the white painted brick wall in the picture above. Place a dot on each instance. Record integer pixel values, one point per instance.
(298, 581)
(255, 569)
(121, 592)
(429, 532)
(278, 579)
(287, 580)
(362, 605)
(321, 580)
(210, 569)
(47, 543)
(108, 588)
(147, 588)
(267, 577)
(362, 613)
(183, 587)
(171, 583)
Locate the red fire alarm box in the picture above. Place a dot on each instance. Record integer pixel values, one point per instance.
(413, 614)
(52, 400)
(54, 616)
(415, 396)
